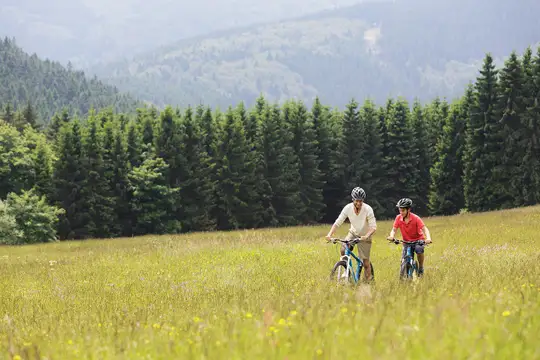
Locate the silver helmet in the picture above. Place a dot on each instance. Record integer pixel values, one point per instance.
(404, 203)
(358, 194)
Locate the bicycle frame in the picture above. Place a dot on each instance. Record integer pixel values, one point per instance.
(409, 258)
(359, 264)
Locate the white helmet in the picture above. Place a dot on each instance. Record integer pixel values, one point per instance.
(358, 194)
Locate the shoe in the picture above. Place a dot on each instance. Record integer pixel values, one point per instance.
(421, 272)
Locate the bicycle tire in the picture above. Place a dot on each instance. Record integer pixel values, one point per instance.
(335, 269)
(404, 270)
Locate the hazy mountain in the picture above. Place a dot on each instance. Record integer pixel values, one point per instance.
(49, 86)
(410, 48)
(85, 31)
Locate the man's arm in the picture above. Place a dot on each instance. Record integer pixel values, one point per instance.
(341, 218)
(372, 223)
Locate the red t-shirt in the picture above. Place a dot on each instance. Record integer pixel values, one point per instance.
(411, 231)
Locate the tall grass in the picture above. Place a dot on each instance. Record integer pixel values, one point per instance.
(266, 294)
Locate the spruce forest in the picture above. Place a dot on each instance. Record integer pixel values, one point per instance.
(198, 168)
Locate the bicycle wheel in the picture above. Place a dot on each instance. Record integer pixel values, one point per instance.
(404, 269)
(339, 271)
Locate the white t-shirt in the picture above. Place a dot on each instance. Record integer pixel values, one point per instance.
(360, 223)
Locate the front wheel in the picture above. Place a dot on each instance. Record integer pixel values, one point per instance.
(339, 273)
(405, 269)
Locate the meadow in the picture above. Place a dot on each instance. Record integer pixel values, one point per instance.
(266, 294)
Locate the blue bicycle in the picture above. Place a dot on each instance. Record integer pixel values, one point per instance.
(343, 270)
(409, 265)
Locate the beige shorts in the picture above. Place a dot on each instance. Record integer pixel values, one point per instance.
(364, 247)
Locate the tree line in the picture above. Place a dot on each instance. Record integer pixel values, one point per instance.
(202, 169)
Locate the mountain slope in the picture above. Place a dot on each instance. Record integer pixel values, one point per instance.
(410, 48)
(49, 86)
(85, 31)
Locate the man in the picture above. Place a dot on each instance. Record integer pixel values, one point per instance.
(412, 229)
(363, 225)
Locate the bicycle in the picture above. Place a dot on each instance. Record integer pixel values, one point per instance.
(345, 263)
(409, 265)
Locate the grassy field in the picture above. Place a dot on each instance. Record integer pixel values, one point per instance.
(265, 295)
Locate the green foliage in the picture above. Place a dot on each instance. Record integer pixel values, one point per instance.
(35, 218)
(16, 166)
(152, 202)
(10, 234)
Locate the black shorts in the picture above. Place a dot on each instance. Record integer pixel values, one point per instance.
(417, 248)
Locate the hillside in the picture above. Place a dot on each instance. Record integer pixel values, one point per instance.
(85, 31)
(410, 48)
(49, 86)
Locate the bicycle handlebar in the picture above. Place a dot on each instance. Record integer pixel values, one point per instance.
(349, 242)
(397, 241)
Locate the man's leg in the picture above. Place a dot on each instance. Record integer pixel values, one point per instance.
(364, 250)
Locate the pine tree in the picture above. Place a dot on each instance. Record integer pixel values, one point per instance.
(279, 165)
(30, 116)
(386, 198)
(374, 177)
(529, 167)
(96, 194)
(69, 179)
(304, 145)
(43, 170)
(119, 183)
(8, 115)
(134, 146)
(401, 159)
(435, 115)
(446, 195)
(232, 193)
(328, 137)
(481, 144)
(509, 109)
(170, 147)
(249, 123)
(354, 159)
(16, 165)
(152, 199)
(57, 121)
(197, 191)
(422, 149)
